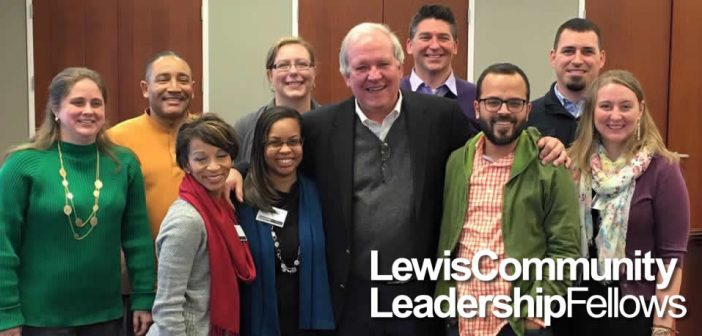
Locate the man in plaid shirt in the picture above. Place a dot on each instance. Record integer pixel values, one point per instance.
(499, 197)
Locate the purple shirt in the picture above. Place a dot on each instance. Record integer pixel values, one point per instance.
(659, 219)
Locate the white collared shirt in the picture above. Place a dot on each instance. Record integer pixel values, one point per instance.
(380, 129)
(450, 83)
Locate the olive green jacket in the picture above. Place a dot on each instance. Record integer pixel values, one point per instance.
(539, 214)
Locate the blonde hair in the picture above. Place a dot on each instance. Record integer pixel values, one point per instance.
(584, 145)
(50, 131)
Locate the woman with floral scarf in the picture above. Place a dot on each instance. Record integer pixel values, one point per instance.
(632, 198)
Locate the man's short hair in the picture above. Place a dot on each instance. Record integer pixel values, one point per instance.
(363, 29)
(501, 69)
(154, 58)
(437, 12)
(581, 26)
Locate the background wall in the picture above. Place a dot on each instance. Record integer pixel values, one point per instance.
(519, 32)
(14, 127)
(240, 34)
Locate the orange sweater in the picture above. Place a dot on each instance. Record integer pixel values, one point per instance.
(154, 145)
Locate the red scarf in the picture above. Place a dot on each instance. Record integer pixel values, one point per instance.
(230, 258)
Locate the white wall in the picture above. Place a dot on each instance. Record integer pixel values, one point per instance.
(240, 34)
(14, 121)
(519, 32)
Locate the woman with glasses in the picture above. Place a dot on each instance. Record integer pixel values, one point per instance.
(282, 219)
(632, 198)
(291, 73)
(202, 255)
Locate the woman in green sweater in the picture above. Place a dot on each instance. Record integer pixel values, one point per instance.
(70, 200)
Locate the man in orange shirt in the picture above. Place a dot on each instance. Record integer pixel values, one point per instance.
(169, 88)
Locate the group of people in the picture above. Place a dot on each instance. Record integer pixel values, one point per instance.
(407, 167)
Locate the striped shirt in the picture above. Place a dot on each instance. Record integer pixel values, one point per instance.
(482, 230)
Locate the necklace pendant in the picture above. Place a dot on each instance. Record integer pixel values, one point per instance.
(93, 221)
(285, 269)
(67, 210)
(80, 223)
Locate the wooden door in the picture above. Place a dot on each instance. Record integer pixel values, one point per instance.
(115, 38)
(636, 37)
(74, 33)
(684, 123)
(685, 118)
(147, 27)
(324, 24)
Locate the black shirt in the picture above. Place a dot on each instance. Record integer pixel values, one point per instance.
(287, 285)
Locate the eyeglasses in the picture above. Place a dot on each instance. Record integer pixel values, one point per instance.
(493, 104)
(277, 144)
(286, 66)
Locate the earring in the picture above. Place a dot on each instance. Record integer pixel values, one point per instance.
(55, 117)
(638, 130)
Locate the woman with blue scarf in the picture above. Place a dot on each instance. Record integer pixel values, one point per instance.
(282, 219)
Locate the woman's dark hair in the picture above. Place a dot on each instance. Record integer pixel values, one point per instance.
(258, 188)
(209, 128)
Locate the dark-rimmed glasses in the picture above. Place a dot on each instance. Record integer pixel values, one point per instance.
(493, 104)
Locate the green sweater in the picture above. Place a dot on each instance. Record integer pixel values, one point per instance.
(50, 279)
(539, 213)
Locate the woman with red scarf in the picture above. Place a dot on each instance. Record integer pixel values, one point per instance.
(202, 252)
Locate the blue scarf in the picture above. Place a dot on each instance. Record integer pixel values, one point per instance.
(259, 306)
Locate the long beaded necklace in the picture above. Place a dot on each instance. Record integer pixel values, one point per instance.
(69, 208)
(283, 267)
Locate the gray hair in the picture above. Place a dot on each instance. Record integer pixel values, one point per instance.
(363, 29)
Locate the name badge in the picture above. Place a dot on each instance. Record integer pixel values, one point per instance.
(240, 232)
(275, 218)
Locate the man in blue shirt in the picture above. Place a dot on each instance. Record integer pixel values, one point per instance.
(577, 58)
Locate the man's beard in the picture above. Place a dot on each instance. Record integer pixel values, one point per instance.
(501, 139)
(576, 84)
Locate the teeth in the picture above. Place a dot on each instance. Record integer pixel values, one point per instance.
(374, 89)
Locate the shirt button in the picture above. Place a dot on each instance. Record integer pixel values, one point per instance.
(342, 286)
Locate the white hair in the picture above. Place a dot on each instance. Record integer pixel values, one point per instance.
(364, 29)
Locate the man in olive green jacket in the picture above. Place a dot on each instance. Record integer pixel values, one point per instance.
(539, 210)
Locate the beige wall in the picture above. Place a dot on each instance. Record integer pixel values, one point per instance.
(14, 127)
(520, 32)
(240, 34)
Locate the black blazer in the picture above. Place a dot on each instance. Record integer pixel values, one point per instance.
(436, 128)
